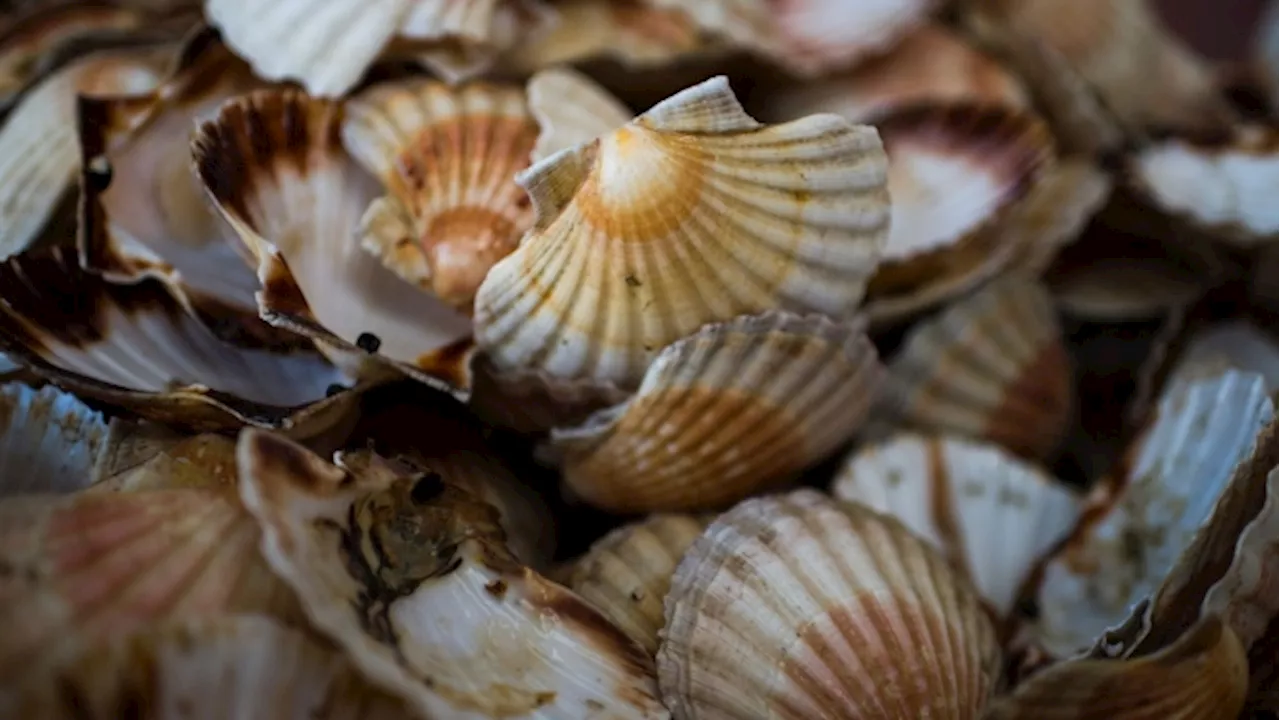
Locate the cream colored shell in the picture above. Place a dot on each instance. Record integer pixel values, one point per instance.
(571, 109)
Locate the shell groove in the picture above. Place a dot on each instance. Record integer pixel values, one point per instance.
(733, 409)
(691, 213)
(797, 606)
(968, 500)
(49, 440)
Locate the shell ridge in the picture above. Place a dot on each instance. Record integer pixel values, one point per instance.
(708, 107)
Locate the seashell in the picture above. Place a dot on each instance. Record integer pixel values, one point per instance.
(134, 346)
(627, 573)
(446, 158)
(931, 65)
(459, 40)
(49, 440)
(1246, 595)
(274, 166)
(151, 458)
(1266, 50)
(731, 410)
(88, 566)
(967, 499)
(382, 558)
(810, 37)
(530, 402)
(571, 109)
(247, 667)
(1054, 212)
(798, 606)
(628, 31)
(1133, 552)
(1109, 67)
(801, 231)
(936, 247)
(1226, 187)
(142, 211)
(1202, 676)
(38, 150)
(991, 367)
(1228, 345)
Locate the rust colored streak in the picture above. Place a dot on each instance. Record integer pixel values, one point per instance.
(942, 510)
(451, 363)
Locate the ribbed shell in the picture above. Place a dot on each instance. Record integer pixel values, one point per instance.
(691, 213)
(1054, 212)
(1235, 344)
(627, 573)
(460, 39)
(571, 109)
(1226, 187)
(246, 667)
(1203, 676)
(446, 158)
(530, 402)
(808, 36)
(410, 576)
(274, 165)
(1181, 468)
(135, 346)
(634, 34)
(49, 440)
(1246, 596)
(991, 367)
(735, 408)
(993, 516)
(87, 566)
(39, 154)
(798, 606)
(138, 459)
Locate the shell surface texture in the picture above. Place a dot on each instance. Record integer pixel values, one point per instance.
(50, 442)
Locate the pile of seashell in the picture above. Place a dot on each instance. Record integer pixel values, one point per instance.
(376, 359)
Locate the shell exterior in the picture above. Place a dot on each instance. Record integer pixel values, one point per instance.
(808, 37)
(92, 565)
(1246, 596)
(1225, 187)
(49, 440)
(798, 606)
(571, 109)
(627, 573)
(531, 402)
(968, 500)
(630, 32)
(143, 213)
(991, 367)
(1203, 676)
(1054, 212)
(30, 45)
(1235, 345)
(135, 346)
(937, 248)
(691, 213)
(1138, 539)
(38, 149)
(139, 459)
(734, 408)
(274, 165)
(460, 39)
(246, 667)
(446, 157)
(931, 65)
(382, 559)
(326, 45)
(1102, 63)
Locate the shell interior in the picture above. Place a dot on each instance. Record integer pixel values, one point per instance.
(571, 109)
(49, 440)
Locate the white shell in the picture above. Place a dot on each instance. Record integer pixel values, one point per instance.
(1235, 345)
(49, 440)
(992, 515)
(571, 109)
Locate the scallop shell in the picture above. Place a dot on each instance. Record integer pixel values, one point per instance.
(461, 39)
(967, 499)
(1203, 676)
(937, 248)
(800, 607)
(733, 409)
(1137, 540)
(142, 212)
(1246, 596)
(690, 236)
(1102, 65)
(627, 573)
(150, 458)
(245, 667)
(446, 157)
(135, 346)
(49, 440)
(931, 65)
(1225, 186)
(38, 150)
(1234, 344)
(808, 37)
(85, 567)
(273, 163)
(531, 402)
(382, 562)
(627, 31)
(1054, 212)
(991, 367)
(571, 109)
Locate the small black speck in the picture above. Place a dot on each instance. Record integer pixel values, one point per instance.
(636, 596)
(1028, 608)
(633, 281)
(368, 342)
(99, 173)
(428, 487)
(334, 389)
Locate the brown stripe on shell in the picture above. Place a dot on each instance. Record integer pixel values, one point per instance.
(1042, 391)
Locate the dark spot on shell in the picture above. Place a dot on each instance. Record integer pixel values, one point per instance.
(98, 173)
(368, 342)
(632, 281)
(427, 488)
(334, 389)
(497, 588)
